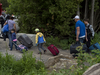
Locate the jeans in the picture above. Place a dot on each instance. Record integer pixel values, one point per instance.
(10, 38)
(40, 46)
(82, 39)
(14, 42)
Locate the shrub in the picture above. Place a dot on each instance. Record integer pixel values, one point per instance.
(27, 65)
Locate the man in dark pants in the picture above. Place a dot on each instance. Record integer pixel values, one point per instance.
(89, 33)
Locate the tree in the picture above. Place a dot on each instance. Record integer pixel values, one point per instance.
(86, 9)
(53, 16)
(92, 13)
(4, 4)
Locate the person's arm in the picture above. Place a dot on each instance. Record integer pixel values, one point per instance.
(15, 27)
(86, 36)
(36, 39)
(92, 30)
(77, 33)
(5, 23)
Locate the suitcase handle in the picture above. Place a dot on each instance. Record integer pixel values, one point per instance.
(55, 50)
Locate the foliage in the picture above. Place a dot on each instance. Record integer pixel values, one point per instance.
(27, 65)
(5, 4)
(52, 16)
(96, 38)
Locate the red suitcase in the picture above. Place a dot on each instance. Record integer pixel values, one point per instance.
(53, 50)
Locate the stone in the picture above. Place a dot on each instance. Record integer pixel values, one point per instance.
(32, 37)
(60, 62)
(93, 70)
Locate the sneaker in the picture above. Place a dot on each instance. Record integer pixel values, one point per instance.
(40, 53)
(45, 51)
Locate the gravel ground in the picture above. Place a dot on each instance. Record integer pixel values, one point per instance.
(17, 54)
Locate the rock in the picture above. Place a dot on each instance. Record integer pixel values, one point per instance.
(32, 37)
(60, 62)
(93, 70)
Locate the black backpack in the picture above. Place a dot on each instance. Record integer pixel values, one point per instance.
(1, 19)
(89, 31)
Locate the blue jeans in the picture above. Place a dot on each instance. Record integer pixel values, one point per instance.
(14, 42)
(82, 39)
(9, 34)
(40, 46)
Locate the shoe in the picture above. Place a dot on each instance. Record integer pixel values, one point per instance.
(40, 53)
(45, 51)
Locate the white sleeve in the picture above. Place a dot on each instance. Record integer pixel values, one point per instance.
(92, 30)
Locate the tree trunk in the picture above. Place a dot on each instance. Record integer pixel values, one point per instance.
(92, 12)
(86, 9)
(78, 10)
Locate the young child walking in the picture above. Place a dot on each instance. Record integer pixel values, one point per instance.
(14, 40)
(40, 40)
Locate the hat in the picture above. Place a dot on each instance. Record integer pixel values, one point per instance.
(37, 30)
(76, 17)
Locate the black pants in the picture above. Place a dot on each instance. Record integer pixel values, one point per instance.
(88, 43)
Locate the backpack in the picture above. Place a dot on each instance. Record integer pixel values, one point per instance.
(89, 31)
(1, 19)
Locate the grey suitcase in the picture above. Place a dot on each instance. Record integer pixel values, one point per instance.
(25, 40)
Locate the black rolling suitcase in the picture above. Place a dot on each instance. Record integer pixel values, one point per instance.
(25, 40)
(74, 46)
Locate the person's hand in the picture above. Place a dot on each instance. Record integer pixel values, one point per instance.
(86, 39)
(36, 44)
(77, 39)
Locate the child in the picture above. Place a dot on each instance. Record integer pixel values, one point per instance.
(89, 31)
(14, 40)
(40, 40)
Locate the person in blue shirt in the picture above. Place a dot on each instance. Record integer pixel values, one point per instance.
(80, 29)
(14, 40)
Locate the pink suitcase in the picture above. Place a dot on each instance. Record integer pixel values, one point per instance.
(53, 50)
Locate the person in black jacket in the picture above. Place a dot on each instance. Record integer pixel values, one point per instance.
(89, 32)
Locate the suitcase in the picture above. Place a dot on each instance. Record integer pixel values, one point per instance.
(95, 46)
(53, 50)
(74, 46)
(21, 47)
(25, 40)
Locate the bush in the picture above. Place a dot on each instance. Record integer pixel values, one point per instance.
(96, 38)
(27, 65)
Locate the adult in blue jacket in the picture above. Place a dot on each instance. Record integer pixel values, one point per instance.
(80, 29)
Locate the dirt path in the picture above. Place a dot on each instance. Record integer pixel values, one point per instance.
(44, 57)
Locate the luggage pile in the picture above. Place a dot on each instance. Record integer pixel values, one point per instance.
(25, 41)
(73, 47)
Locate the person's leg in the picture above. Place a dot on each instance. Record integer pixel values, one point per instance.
(39, 47)
(43, 48)
(81, 39)
(15, 45)
(10, 38)
(11, 46)
(88, 43)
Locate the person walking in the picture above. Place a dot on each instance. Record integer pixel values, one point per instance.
(11, 25)
(40, 40)
(89, 32)
(80, 29)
